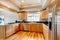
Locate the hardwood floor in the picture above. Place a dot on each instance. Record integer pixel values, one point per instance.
(26, 36)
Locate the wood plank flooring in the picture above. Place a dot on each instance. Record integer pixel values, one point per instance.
(26, 36)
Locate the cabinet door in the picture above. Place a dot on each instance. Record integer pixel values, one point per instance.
(11, 29)
(2, 32)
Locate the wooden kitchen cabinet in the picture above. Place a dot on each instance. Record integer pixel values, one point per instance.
(8, 30)
(2, 32)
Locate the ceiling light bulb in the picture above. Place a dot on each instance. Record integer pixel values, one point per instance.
(22, 1)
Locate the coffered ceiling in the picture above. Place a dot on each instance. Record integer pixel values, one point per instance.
(33, 5)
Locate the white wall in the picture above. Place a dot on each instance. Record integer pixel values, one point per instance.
(8, 15)
(58, 25)
(58, 31)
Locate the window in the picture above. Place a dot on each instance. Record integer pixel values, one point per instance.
(33, 17)
(57, 19)
(1, 20)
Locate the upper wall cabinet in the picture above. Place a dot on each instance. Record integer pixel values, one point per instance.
(34, 16)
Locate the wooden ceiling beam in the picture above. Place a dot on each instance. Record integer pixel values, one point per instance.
(7, 8)
(9, 4)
